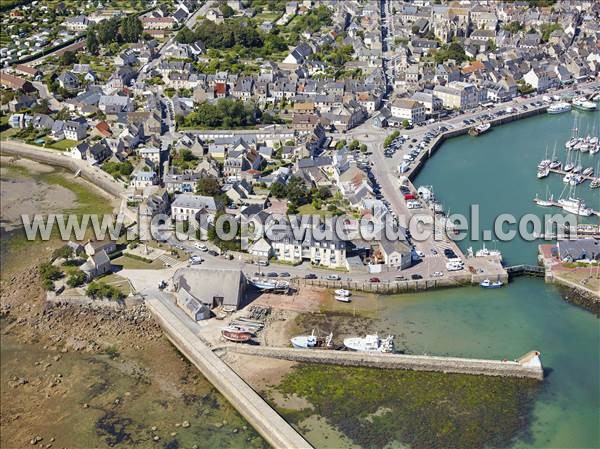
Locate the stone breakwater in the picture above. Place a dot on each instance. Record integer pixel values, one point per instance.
(528, 366)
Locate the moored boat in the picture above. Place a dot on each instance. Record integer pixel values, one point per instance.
(312, 341)
(480, 129)
(583, 104)
(370, 343)
(342, 292)
(543, 172)
(342, 298)
(489, 284)
(559, 108)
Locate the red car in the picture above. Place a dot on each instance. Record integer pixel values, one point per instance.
(409, 196)
(374, 280)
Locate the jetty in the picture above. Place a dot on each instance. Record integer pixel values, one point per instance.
(562, 172)
(267, 422)
(527, 366)
(526, 270)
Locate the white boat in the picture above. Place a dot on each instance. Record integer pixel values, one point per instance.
(342, 292)
(577, 168)
(543, 172)
(480, 129)
(575, 206)
(370, 343)
(588, 171)
(569, 166)
(559, 108)
(489, 284)
(576, 180)
(312, 341)
(567, 178)
(555, 164)
(583, 104)
(342, 298)
(269, 284)
(549, 201)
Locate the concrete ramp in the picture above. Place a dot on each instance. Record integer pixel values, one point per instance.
(528, 366)
(271, 426)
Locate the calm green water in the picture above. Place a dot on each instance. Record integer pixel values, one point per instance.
(498, 172)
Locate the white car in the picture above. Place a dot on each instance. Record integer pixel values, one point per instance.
(332, 277)
(196, 260)
(420, 253)
(437, 274)
(200, 246)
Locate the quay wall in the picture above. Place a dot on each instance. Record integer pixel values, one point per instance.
(397, 361)
(51, 157)
(388, 287)
(271, 426)
(439, 140)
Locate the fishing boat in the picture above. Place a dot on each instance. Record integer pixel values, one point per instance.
(342, 292)
(269, 284)
(559, 108)
(583, 104)
(575, 206)
(485, 252)
(312, 341)
(480, 129)
(235, 334)
(489, 284)
(370, 343)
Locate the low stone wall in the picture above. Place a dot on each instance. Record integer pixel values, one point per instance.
(396, 361)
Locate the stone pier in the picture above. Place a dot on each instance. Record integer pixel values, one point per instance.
(527, 366)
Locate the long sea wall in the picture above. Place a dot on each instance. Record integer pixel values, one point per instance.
(528, 366)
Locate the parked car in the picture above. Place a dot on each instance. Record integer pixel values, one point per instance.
(375, 280)
(310, 276)
(285, 274)
(196, 260)
(200, 246)
(415, 277)
(332, 277)
(272, 274)
(212, 252)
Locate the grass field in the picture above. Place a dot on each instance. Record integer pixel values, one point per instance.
(64, 144)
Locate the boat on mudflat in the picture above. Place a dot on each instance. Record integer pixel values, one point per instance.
(370, 343)
(312, 341)
(236, 335)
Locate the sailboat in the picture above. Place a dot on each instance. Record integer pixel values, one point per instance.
(549, 201)
(542, 173)
(555, 164)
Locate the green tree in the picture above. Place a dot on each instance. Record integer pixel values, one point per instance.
(64, 252)
(226, 10)
(278, 190)
(91, 43)
(50, 272)
(405, 123)
(208, 186)
(68, 58)
(76, 279)
(354, 145)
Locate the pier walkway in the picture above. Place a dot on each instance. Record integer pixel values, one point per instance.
(562, 172)
(271, 426)
(528, 366)
(528, 270)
